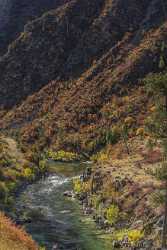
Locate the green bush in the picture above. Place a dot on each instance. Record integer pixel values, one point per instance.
(95, 201)
(11, 185)
(112, 136)
(42, 166)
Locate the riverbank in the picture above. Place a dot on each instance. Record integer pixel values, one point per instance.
(54, 220)
(117, 191)
(16, 172)
(19, 170)
(119, 195)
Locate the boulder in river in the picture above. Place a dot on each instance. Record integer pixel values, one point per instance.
(55, 247)
(69, 194)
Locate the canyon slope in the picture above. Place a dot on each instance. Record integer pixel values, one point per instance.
(15, 14)
(62, 74)
(72, 74)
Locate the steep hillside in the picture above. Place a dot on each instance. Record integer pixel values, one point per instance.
(15, 14)
(63, 74)
(15, 170)
(69, 81)
(12, 237)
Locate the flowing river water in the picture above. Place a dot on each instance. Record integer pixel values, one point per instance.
(56, 221)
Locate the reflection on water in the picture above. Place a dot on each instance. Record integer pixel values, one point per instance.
(56, 220)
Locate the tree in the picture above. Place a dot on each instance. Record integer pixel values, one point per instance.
(157, 85)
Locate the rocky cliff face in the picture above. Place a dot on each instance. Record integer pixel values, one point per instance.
(60, 76)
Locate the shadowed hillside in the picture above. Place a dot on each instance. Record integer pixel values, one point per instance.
(67, 67)
(72, 88)
(15, 14)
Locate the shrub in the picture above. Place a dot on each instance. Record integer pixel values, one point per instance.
(126, 99)
(3, 191)
(112, 136)
(95, 201)
(80, 186)
(42, 165)
(28, 173)
(134, 235)
(99, 157)
(5, 161)
(63, 156)
(11, 186)
(140, 132)
(129, 121)
(153, 109)
(112, 214)
(77, 185)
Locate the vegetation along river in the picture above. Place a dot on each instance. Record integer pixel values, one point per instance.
(55, 221)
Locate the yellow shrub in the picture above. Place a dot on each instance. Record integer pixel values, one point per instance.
(101, 157)
(112, 214)
(116, 113)
(80, 186)
(28, 173)
(129, 120)
(121, 234)
(153, 109)
(126, 99)
(140, 132)
(42, 165)
(77, 185)
(62, 155)
(86, 186)
(95, 200)
(133, 235)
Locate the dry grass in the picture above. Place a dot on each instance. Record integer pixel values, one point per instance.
(13, 237)
(134, 170)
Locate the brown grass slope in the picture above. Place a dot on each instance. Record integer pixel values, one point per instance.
(14, 238)
(90, 52)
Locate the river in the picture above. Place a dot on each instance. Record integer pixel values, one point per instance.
(57, 221)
